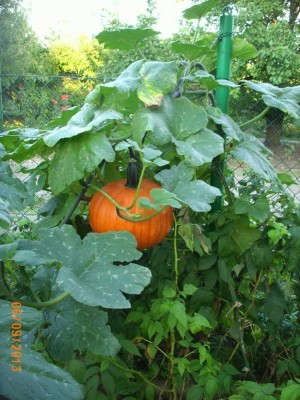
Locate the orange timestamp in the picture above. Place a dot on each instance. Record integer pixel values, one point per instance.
(16, 332)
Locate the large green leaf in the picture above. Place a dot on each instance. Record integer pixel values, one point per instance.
(37, 376)
(200, 10)
(275, 304)
(286, 99)
(89, 272)
(201, 147)
(12, 190)
(209, 82)
(129, 80)
(176, 117)
(284, 104)
(4, 214)
(71, 329)
(76, 156)
(190, 51)
(89, 118)
(243, 50)
(197, 194)
(125, 39)
(229, 126)
(244, 235)
(291, 391)
(158, 79)
(2, 151)
(251, 151)
(21, 144)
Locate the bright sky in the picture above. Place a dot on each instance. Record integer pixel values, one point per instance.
(69, 18)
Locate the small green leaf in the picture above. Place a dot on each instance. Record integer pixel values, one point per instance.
(200, 10)
(125, 39)
(160, 198)
(259, 210)
(286, 179)
(186, 231)
(198, 322)
(130, 347)
(291, 392)
(169, 292)
(181, 364)
(189, 289)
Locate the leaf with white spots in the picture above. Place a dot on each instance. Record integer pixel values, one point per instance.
(96, 271)
(75, 326)
(200, 148)
(196, 194)
(37, 377)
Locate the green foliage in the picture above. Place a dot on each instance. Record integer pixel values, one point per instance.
(82, 58)
(206, 314)
(20, 49)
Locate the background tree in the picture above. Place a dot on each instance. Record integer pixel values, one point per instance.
(82, 57)
(20, 48)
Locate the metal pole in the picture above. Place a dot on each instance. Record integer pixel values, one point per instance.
(222, 94)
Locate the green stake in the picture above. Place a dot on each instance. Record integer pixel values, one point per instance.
(222, 94)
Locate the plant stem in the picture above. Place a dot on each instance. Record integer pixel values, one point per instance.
(196, 31)
(137, 189)
(241, 342)
(6, 290)
(137, 218)
(78, 199)
(136, 196)
(132, 371)
(118, 206)
(257, 118)
(173, 341)
(175, 252)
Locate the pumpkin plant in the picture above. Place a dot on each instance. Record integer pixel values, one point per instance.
(124, 313)
(115, 207)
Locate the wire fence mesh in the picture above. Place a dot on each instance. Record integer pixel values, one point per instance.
(34, 100)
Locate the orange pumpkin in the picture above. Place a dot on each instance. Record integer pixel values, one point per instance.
(104, 218)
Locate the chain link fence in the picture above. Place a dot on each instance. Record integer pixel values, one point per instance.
(34, 100)
(277, 131)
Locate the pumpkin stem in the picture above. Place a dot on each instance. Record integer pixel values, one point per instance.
(134, 168)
